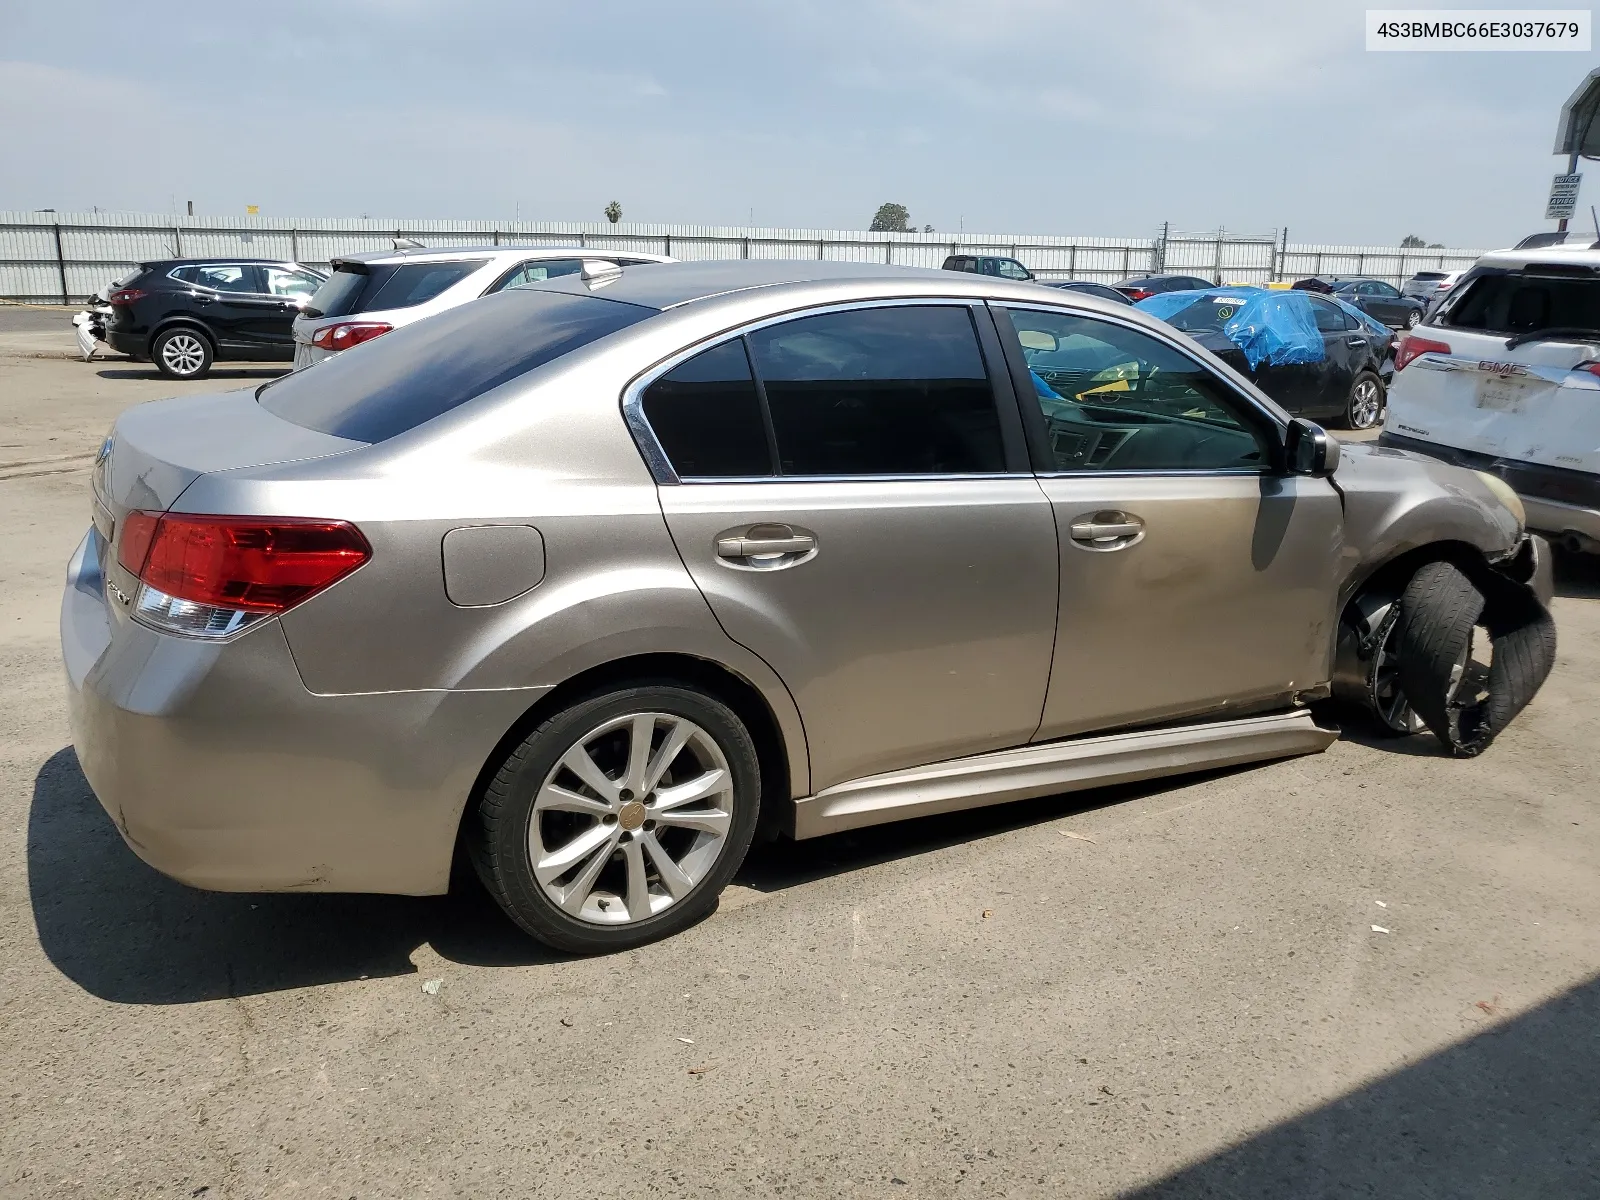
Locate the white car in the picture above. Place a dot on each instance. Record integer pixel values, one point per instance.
(369, 294)
(1504, 377)
(1429, 286)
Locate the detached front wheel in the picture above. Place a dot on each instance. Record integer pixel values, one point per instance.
(620, 819)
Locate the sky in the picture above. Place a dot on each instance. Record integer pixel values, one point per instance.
(1085, 117)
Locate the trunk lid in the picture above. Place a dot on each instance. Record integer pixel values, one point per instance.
(157, 450)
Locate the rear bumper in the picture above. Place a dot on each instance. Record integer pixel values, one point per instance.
(1564, 520)
(305, 354)
(221, 770)
(1558, 501)
(130, 344)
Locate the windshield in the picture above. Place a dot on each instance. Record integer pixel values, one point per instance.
(1510, 303)
(374, 391)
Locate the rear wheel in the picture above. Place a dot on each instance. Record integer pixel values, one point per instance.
(1413, 319)
(1364, 409)
(182, 353)
(620, 819)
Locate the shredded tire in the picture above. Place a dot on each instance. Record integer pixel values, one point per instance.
(1465, 707)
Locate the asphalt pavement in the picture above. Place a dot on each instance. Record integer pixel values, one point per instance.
(1371, 972)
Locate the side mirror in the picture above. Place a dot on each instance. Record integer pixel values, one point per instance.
(1312, 449)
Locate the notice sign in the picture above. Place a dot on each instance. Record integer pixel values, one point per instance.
(1563, 197)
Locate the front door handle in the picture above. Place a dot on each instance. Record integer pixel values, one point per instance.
(766, 546)
(1106, 530)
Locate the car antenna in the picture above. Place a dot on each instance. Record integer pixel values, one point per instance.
(404, 243)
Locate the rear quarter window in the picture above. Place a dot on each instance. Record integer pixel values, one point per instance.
(338, 294)
(375, 391)
(417, 283)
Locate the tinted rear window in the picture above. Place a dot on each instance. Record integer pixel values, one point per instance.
(337, 296)
(417, 283)
(394, 383)
(1523, 303)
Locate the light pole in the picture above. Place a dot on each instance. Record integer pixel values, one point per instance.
(1579, 133)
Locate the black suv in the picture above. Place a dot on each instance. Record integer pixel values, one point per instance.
(185, 314)
(988, 264)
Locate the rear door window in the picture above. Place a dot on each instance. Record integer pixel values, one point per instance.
(879, 391)
(539, 270)
(405, 378)
(1526, 302)
(1330, 317)
(707, 416)
(226, 277)
(417, 283)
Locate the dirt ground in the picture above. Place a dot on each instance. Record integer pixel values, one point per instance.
(1371, 972)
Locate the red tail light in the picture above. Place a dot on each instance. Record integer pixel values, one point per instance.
(1138, 294)
(1412, 347)
(244, 564)
(349, 333)
(126, 295)
(1592, 367)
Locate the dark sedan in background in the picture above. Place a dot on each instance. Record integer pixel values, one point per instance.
(1347, 388)
(185, 314)
(1089, 288)
(1379, 300)
(1139, 287)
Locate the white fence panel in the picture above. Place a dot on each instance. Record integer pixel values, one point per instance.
(46, 257)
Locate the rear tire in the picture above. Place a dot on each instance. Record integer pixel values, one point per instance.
(1364, 408)
(182, 353)
(579, 835)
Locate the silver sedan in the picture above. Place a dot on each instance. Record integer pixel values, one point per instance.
(608, 576)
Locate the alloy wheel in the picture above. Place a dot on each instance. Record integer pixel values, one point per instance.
(183, 353)
(1366, 404)
(631, 818)
(1388, 701)
(1413, 319)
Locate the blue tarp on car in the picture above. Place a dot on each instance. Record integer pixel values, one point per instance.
(1276, 327)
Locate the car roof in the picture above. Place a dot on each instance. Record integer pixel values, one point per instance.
(486, 254)
(1576, 256)
(219, 260)
(669, 285)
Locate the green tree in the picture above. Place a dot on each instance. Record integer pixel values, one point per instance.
(891, 218)
(613, 212)
(1412, 242)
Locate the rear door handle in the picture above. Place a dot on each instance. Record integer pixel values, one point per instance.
(1106, 530)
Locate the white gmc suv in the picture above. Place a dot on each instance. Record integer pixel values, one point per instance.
(1504, 377)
